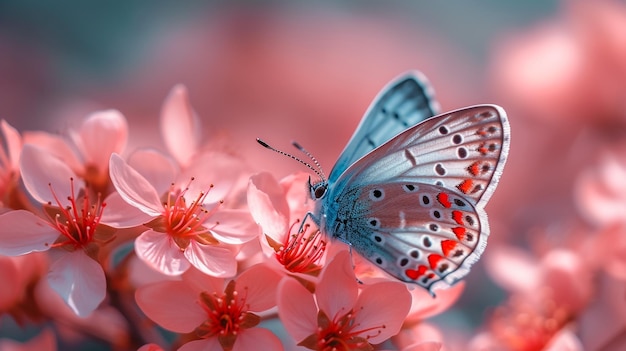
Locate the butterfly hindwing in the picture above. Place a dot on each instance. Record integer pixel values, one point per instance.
(406, 101)
(419, 233)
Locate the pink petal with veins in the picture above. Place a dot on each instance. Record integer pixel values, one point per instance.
(158, 169)
(381, 304)
(180, 127)
(268, 205)
(120, 214)
(133, 187)
(217, 168)
(39, 168)
(235, 226)
(338, 275)
(172, 305)
(260, 282)
(101, 134)
(296, 309)
(22, 232)
(56, 146)
(213, 260)
(160, 252)
(79, 280)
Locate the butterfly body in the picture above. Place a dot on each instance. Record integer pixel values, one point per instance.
(408, 191)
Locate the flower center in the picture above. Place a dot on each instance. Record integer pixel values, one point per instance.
(79, 222)
(226, 316)
(301, 252)
(182, 221)
(342, 333)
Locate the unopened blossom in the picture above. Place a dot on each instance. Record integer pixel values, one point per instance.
(69, 228)
(188, 226)
(278, 208)
(342, 315)
(220, 314)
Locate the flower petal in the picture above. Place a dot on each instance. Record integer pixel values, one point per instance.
(79, 280)
(121, 214)
(370, 316)
(101, 134)
(425, 305)
(424, 346)
(260, 283)
(57, 146)
(268, 205)
(296, 309)
(13, 142)
(180, 126)
(233, 226)
(213, 260)
(564, 340)
(202, 345)
(257, 339)
(22, 232)
(40, 171)
(512, 269)
(173, 305)
(211, 168)
(158, 169)
(337, 289)
(161, 253)
(133, 187)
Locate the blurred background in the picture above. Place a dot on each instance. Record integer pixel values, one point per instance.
(307, 71)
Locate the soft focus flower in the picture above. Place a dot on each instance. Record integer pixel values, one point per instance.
(10, 152)
(341, 316)
(186, 228)
(221, 314)
(73, 230)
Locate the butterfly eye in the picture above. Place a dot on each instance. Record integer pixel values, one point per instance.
(319, 191)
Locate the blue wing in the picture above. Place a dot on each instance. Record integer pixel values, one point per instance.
(403, 103)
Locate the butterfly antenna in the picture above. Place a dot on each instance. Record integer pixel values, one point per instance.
(317, 171)
(320, 172)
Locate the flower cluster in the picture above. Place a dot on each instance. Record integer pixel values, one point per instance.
(204, 248)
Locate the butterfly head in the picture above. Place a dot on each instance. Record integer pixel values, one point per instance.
(318, 190)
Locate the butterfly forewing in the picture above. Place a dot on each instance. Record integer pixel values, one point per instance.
(406, 101)
(463, 150)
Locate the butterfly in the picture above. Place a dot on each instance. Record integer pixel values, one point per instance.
(408, 191)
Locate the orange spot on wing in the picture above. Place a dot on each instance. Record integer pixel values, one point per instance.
(482, 149)
(465, 186)
(444, 200)
(447, 246)
(459, 232)
(433, 259)
(474, 169)
(458, 217)
(414, 274)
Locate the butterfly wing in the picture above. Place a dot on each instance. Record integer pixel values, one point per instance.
(463, 150)
(404, 102)
(428, 184)
(418, 233)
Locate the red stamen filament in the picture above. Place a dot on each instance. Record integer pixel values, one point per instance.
(186, 221)
(300, 252)
(342, 334)
(76, 226)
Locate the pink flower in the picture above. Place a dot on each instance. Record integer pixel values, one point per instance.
(101, 134)
(73, 230)
(278, 207)
(187, 226)
(338, 316)
(222, 315)
(180, 126)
